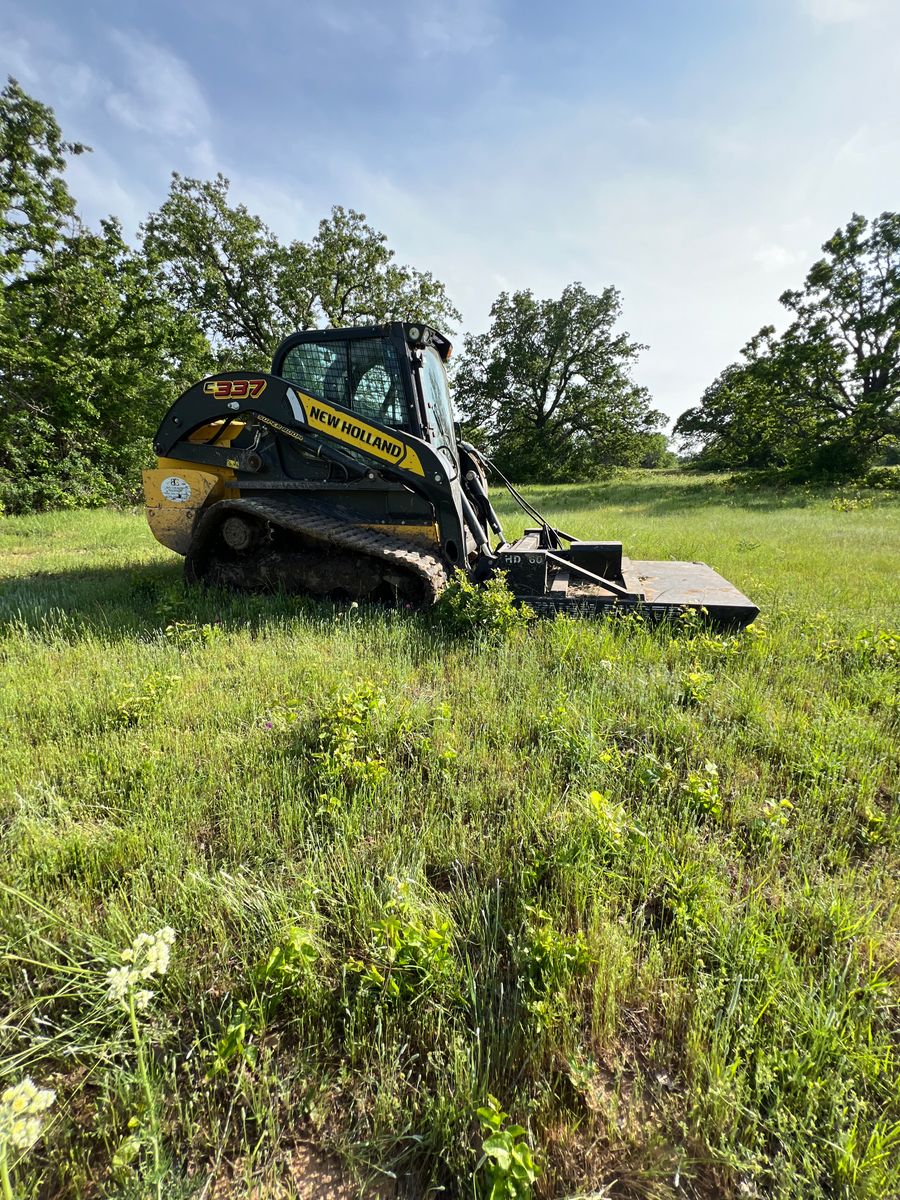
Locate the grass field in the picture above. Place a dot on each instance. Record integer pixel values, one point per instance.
(640, 886)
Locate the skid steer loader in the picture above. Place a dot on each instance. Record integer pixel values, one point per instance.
(341, 475)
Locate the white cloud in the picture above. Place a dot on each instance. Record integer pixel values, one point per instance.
(872, 142)
(775, 258)
(700, 221)
(40, 55)
(143, 86)
(161, 97)
(455, 26)
(840, 12)
(103, 188)
(281, 206)
(16, 53)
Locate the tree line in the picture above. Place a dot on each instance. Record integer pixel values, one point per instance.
(98, 337)
(822, 399)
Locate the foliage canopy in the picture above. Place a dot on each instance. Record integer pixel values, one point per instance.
(92, 349)
(824, 396)
(249, 291)
(549, 386)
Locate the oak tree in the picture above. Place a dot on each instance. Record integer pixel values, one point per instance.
(824, 396)
(249, 290)
(549, 389)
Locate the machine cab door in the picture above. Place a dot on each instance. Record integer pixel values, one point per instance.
(393, 374)
(431, 379)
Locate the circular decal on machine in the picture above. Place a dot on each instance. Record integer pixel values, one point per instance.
(176, 489)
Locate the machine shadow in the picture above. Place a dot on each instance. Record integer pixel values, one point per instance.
(122, 600)
(140, 600)
(143, 600)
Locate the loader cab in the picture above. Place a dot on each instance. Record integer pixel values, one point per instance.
(392, 374)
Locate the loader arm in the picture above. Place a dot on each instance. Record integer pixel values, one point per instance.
(362, 447)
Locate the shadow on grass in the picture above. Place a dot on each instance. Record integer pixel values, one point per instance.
(148, 601)
(141, 600)
(134, 600)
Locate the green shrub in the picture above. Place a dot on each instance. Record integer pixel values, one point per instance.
(487, 610)
(507, 1160)
(885, 478)
(410, 953)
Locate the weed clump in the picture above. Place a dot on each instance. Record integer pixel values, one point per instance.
(410, 954)
(507, 1163)
(487, 611)
(360, 739)
(143, 701)
(549, 963)
(701, 789)
(287, 975)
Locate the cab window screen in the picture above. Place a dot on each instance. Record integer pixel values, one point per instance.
(362, 375)
(319, 368)
(437, 404)
(377, 386)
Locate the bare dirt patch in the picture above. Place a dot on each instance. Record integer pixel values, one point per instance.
(304, 1173)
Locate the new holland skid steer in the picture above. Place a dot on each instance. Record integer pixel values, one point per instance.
(340, 475)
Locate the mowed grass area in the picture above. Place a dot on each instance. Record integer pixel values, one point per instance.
(640, 885)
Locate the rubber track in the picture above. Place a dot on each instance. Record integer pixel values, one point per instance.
(325, 526)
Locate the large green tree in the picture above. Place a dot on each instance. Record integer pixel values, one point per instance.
(222, 265)
(36, 207)
(92, 349)
(548, 388)
(824, 396)
(92, 352)
(248, 290)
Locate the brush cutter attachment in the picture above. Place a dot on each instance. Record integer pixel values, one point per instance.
(593, 579)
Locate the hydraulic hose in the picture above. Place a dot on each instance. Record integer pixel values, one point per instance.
(553, 533)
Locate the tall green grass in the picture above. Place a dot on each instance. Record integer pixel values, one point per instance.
(640, 885)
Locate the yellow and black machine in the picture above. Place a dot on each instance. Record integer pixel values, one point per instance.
(341, 475)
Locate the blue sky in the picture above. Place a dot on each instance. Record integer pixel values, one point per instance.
(694, 153)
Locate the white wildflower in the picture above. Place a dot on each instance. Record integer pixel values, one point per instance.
(21, 1109)
(157, 959)
(120, 981)
(147, 956)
